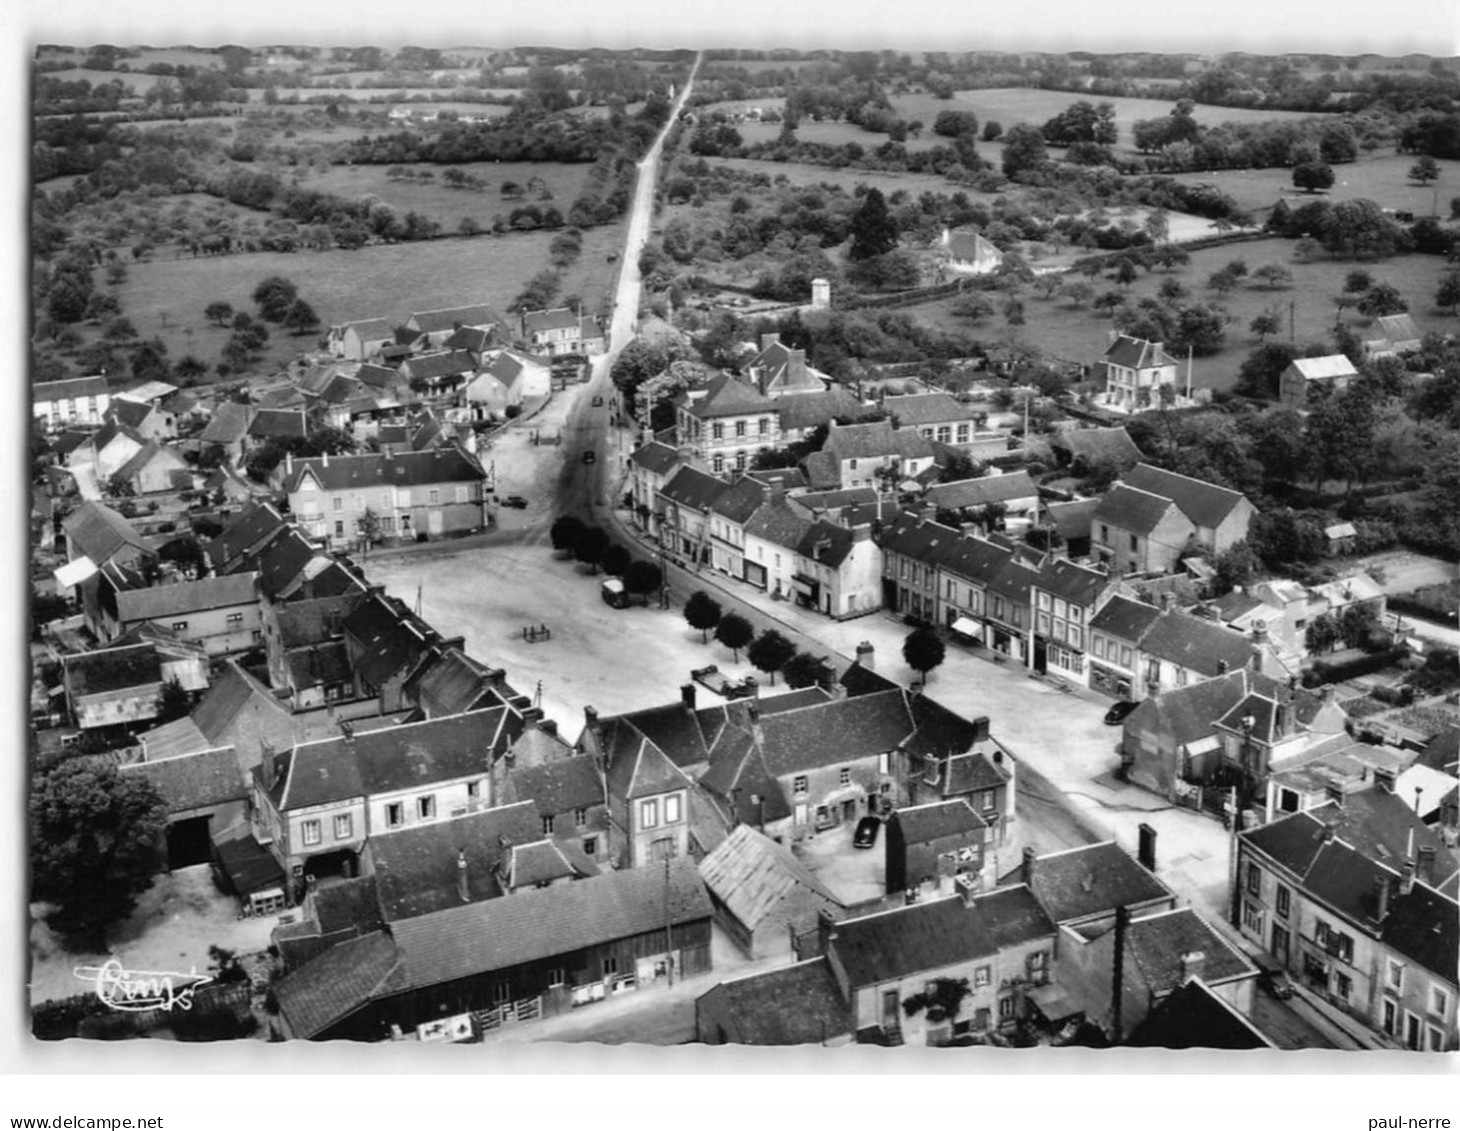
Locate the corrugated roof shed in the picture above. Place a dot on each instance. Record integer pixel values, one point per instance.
(751, 875)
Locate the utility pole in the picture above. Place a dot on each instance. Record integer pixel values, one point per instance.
(668, 926)
(1293, 321)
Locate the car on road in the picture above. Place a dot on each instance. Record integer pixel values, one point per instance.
(1116, 715)
(590, 456)
(866, 833)
(1272, 977)
(516, 502)
(597, 402)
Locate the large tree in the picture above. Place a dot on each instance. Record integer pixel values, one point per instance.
(874, 231)
(923, 650)
(643, 578)
(1023, 150)
(274, 296)
(1311, 176)
(735, 632)
(96, 838)
(802, 670)
(565, 532)
(770, 652)
(591, 546)
(702, 612)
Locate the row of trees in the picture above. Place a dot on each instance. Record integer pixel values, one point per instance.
(592, 546)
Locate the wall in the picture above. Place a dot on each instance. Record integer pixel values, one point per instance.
(210, 629)
(824, 788)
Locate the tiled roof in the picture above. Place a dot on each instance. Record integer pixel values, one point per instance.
(228, 424)
(984, 490)
(370, 329)
(313, 621)
(837, 732)
(417, 870)
(751, 875)
(113, 669)
(277, 422)
(469, 338)
(541, 862)
(129, 413)
(862, 441)
(283, 559)
(777, 524)
(401, 757)
(246, 531)
(558, 787)
(725, 395)
(539, 924)
(1132, 510)
(693, 488)
(1324, 368)
(386, 638)
(403, 469)
(929, 542)
(859, 680)
(1196, 643)
(541, 321)
(447, 364)
(1099, 443)
(1157, 943)
(656, 457)
(1083, 883)
(672, 727)
(925, 408)
(940, 732)
(181, 736)
(184, 597)
(1205, 504)
(476, 316)
(921, 823)
(318, 665)
(808, 410)
(1137, 353)
(970, 246)
(1190, 713)
(823, 472)
(826, 543)
(637, 767)
(794, 1005)
(741, 500)
(98, 532)
(453, 683)
(1192, 1016)
(194, 781)
(1125, 618)
(69, 389)
(238, 708)
(340, 981)
(1071, 581)
(1012, 916)
(909, 941)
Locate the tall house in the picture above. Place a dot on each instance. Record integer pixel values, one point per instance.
(727, 421)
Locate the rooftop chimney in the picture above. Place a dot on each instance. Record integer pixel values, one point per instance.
(1425, 870)
(1168, 600)
(548, 726)
(1381, 896)
(1259, 632)
(461, 885)
(687, 696)
(1328, 833)
(590, 716)
(981, 728)
(1146, 849)
(1406, 878)
(1026, 868)
(1192, 965)
(867, 655)
(825, 930)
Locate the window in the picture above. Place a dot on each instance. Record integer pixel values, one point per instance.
(845, 777)
(344, 827)
(474, 789)
(1041, 623)
(884, 763)
(339, 502)
(311, 831)
(739, 428)
(852, 464)
(426, 807)
(800, 786)
(1076, 636)
(671, 809)
(963, 433)
(590, 845)
(1097, 645)
(609, 965)
(1006, 1008)
(547, 825)
(739, 461)
(435, 496)
(1251, 917)
(1439, 1002)
(1104, 533)
(1042, 599)
(502, 993)
(1135, 543)
(1153, 671)
(235, 618)
(556, 976)
(580, 818)
(717, 431)
(179, 626)
(339, 530)
(1125, 656)
(1391, 1017)
(649, 814)
(763, 426)
(718, 464)
(1075, 614)
(988, 800)
(1342, 985)
(1396, 975)
(394, 815)
(1437, 1040)
(1038, 960)
(1284, 901)
(982, 976)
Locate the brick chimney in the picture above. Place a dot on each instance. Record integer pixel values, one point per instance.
(1192, 965)
(687, 696)
(1146, 848)
(1026, 868)
(980, 728)
(1425, 865)
(1406, 878)
(1259, 632)
(1381, 897)
(1168, 601)
(462, 888)
(867, 655)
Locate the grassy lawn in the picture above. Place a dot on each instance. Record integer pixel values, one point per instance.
(166, 297)
(1062, 331)
(1384, 180)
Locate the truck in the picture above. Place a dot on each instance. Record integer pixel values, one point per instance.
(614, 594)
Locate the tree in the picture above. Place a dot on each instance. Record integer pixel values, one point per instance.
(565, 533)
(769, 652)
(273, 297)
(1311, 176)
(942, 998)
(218, 313)
(802, 670)
(1125, 272)
(1273, 275)
(923, 650)
(1382, 299)
(1356, 282)
(96, 838)
(643, 578)
(993, 130)
(616, 560)
(1425, 170)
(974, 305)
(1447, 294)
(1268, 322)
(592, 545)
(702, 612)
(735, 632)
(1356, 624)
(1023, 150)
(300, 318)
(1079, 293)
(1322, 634)
(874, 231)
(173, 702)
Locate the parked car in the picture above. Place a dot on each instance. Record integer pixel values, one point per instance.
(1116, 715)
(866, 833)
(1273, 978)
(614, 594)
(590, 456)
(516, 502)
(597, 402)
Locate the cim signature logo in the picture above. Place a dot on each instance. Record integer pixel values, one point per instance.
(136, 991)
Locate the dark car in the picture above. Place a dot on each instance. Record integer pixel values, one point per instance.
(1273, 978)
(517, 502)
(1116, 715)
(597, 401)
(866, 834)
(590, 456)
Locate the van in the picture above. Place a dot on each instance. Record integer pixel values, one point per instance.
(614, 593)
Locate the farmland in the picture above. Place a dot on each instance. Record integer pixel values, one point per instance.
(801, 174)
(1384, 180)
(1078, 334)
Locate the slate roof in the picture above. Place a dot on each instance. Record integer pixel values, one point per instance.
(925, 408)
(860, 680)
(1190, 713)
(170, 740)
(1324, 368)
(558, 318)
(113, 669)
(1099, 444)
(751, 874)
(805, 411)
(318, 665)
(1156, 943)
(740, 501)
(779, 525)
(1013, 916)
(1194, 1017)
(984, 490)
(1137, 353)
(69, 389)
(922, 823)
(693, 488)
(823, 472)
(826, 543)
(655, 457)
(542, 862)
(940, 732)
(453, 683)
(340, 981)
(287, 555)
(315, 620)
(1090, 881)
(246, 531)
(908, 941)
(540, 924)
(149, 451)
(417, 869)
(1071, 582)
(834, 500)
(795, 1005)
(558, 787)
(470, 338)
(383, 761)
(1131, 509)
(474, 316)
(128, 413)
(183, 597)
(386, 638)
(1397, 328)
(403, 469)
(969, 246)
(433, 365)
(275, 422)
(98, 532)
(228, 424)
(919, 538)
(1196, 643)
(234, 702)
(194, 781)
(637, 767)
(1205, 504)
(835, 733)
(1125, 618)
(725, 395)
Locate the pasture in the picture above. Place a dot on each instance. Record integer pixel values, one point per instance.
(1064, 331)
(802, 174)
(1384, 180)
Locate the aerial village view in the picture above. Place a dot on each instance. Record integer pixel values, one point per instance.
(744, 547)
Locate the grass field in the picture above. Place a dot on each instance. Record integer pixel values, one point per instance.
(1384, 180)
(800, 174)
(1072, 334)
(834, 133)
(166, 297)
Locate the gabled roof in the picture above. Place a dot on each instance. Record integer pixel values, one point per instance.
(450, 363)
(925, 408)
(1324, 368)
(113, 669)
(1158, 941)
(929, 542)
(637, 767)
(378, 376)
(1192, 1016)
(195, 780)
(690, 487)
(937, 819)
(453, 683)
(778, 524)
(558, 318)
(1397, 328)
(1205, 504)
(1137, 353)
(342, 980)
(1071, 581)
(909, 941)
(751, 875)
(384, 761)
(837, 732)
(418, 870)
(386, 638)
(98, 532)
(724, 395)
(1196, 643)
(1130, 509)
(369, 329)
(1091, 881)
(433, 321)
(1012, 916)
(128, 413)
(656, 457)
(1190, 713)
(558, 787)
(969, 246)
(185, 597)
(313, 621)
(539, 924)
(246, 531)
(72, 387)
(228, 424)
(542, 862)
(876, 440)
(1125, 618)
(805, 411)
(145, 455)
(799, 1004)
(470, 338)
(982, 491)
(739, 501)
(1099, 443)
(401, 469)
(278, 422)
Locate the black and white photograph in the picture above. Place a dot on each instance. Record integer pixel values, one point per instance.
(608, 536)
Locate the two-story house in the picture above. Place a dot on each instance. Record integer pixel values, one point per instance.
(914, 550)
(937, 416)
(1137, 649)
(560, 331)
(1135, 531)
(726, 422)
(439, 378)
(650, 466)
(440, 491)
(780, 371)
(1066, 597)
(315, 805)
(730, 511)
(683, 510)
(950, 758)
(145, 417)
(1351, 900)
(361, 341)
(220, 614)
(434, 327)
(648, 795)
(869, 455)
(1136, 371)
(1015, 498)
(1219, 516)
(79, 401)
(572, 805)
